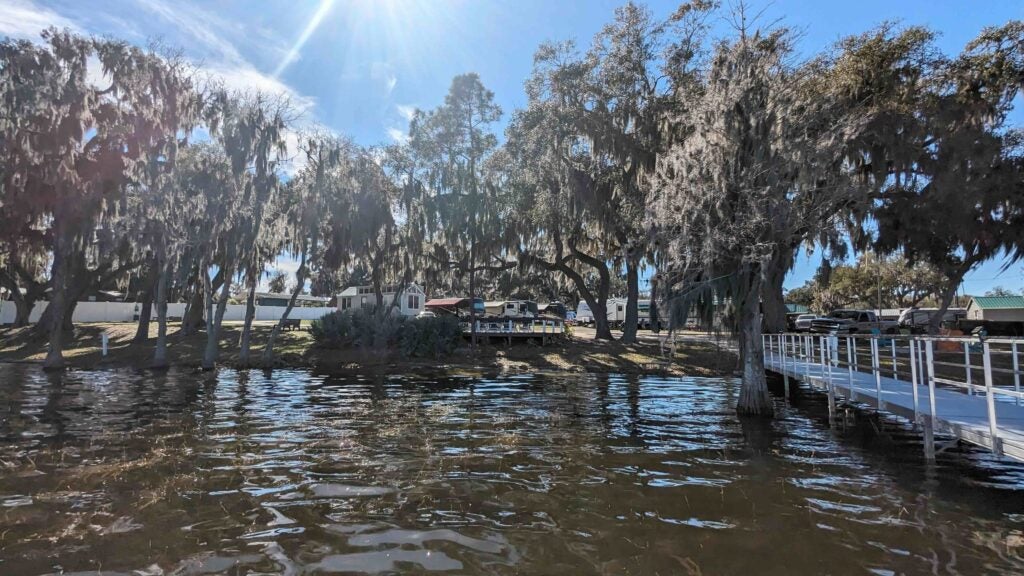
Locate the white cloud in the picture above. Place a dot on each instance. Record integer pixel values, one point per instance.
(383, 72)
(243, 77)
(407, 111)
(26, 19)
(398, 135)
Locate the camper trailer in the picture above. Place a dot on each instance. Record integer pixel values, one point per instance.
(455, 306)
(616, 312)
(511, 308)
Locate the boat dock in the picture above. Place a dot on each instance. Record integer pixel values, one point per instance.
(966, 388)
(509, 329)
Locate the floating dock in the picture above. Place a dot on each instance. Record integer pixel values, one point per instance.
(975, 399)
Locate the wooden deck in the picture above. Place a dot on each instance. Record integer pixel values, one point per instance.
(973, 414)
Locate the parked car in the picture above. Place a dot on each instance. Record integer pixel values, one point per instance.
(803, 322)
(853, 322)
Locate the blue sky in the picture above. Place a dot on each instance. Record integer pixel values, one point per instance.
(361, 66)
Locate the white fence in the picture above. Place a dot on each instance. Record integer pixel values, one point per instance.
(126, 311)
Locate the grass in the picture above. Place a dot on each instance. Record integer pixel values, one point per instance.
(577, 353)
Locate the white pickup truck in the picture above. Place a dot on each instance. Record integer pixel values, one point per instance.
(853, 322)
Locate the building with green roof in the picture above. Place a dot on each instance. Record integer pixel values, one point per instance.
(996, 308)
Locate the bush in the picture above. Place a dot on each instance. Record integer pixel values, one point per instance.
(431, 337)
(356, 328)
(420, 337)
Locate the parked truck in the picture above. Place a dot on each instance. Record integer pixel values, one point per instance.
(853, 322)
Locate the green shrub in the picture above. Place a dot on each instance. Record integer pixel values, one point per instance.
(420, 337)
(431, 337)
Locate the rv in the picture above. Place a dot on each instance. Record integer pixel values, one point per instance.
(616, 312)
(455, 306)
(511, 309)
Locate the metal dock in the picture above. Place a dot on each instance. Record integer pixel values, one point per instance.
(968, 388)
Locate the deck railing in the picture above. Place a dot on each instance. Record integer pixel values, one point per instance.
(974, 366)
(517, 326)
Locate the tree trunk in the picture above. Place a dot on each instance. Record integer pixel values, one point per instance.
(300, 282)
(754, 400)
(472, 295)
(23, 303)
(772, 301)
(192, 320)
(59, 273)
(146, 313)
(214, 319)
(22, 311)
(935, 322)
(160, 354)
(244, 342)
(655, 317)
(632, 320)
(602, 330)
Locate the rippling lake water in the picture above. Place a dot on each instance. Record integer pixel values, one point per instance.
(242, 473)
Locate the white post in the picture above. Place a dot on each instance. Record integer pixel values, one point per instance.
(990, 398)
(849, 358)
(967, 366)
(895, 373)
(1016, 372)
(785, 374)
(821, 350)
(913, 374)
(104, 338)
(876, 371)
(930, 357)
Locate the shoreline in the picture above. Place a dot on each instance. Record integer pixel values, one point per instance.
(577, 353)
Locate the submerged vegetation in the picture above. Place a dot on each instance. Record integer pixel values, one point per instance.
(710, 160)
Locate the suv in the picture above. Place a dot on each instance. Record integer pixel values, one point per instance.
(852, 322)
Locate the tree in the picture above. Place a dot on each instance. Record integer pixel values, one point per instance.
(452, 143)
(962, 170)
(278, 283)
(755, 167)
(69, 147)
(1001, 292)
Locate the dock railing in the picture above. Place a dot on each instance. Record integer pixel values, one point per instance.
(979, 367)
(518, 326)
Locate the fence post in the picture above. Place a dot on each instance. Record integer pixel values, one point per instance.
(967, 366)
(875, 369)
(821, 350)
(895, 373)
(850, 358)
(913, 375)
(930, 357)
(990, 398)
(1016, 372)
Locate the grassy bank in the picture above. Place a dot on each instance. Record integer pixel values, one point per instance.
(577, 353)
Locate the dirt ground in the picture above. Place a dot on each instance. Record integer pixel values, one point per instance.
(576, 352)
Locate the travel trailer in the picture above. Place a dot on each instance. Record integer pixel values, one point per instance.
(512, 309)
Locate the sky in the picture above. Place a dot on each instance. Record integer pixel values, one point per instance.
(360, 67)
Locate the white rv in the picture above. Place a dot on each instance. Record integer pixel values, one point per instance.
(616, 312)
(512, 308)
(410, 301)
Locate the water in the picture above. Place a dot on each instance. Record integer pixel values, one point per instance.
(297, 473)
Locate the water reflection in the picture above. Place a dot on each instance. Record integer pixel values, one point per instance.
(295, 472)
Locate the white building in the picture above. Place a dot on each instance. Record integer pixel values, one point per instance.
(410, 301)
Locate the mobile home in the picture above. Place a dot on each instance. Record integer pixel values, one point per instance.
(410, 302)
